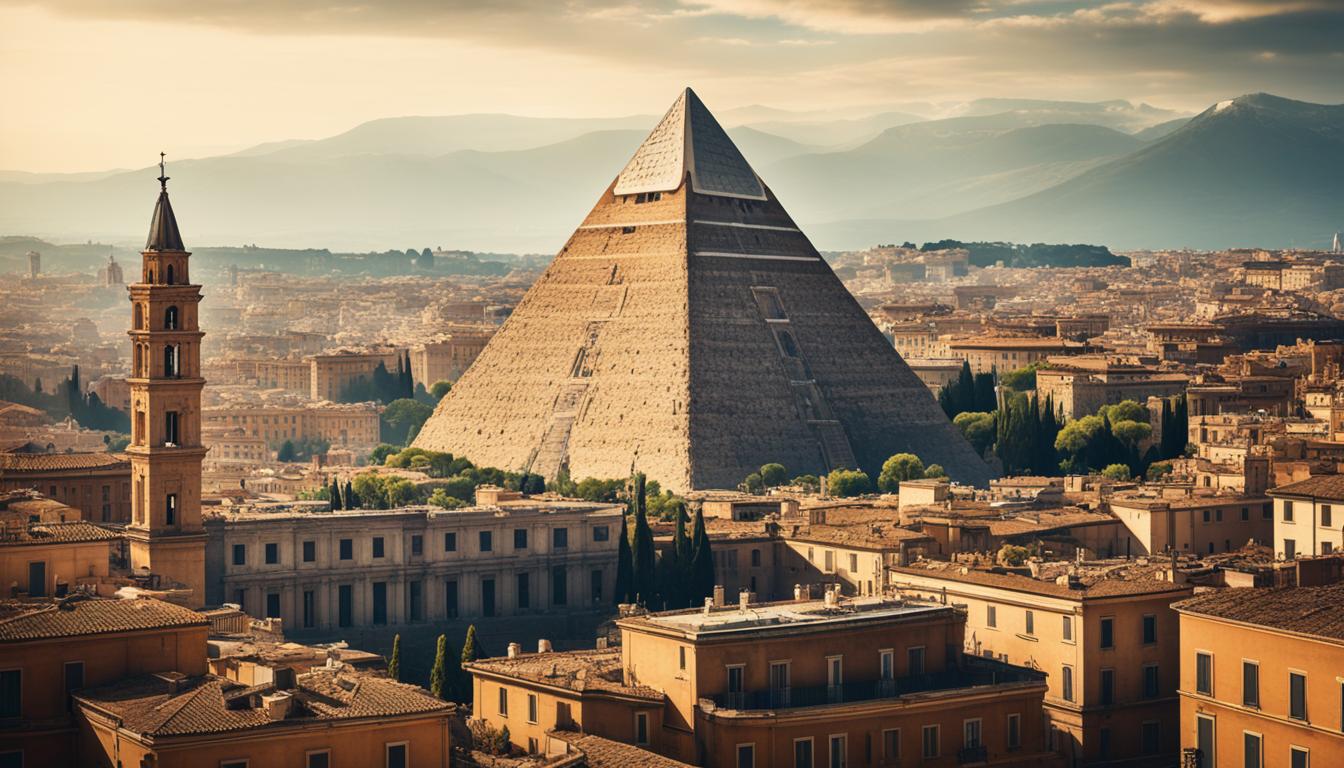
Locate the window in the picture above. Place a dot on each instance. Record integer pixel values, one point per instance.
(532, 710)
(642, 728)
(853, 563)
(746, 756)
(971, 734)
(417, 545)
(1150, 681)
(450, 598)
(1014, 731)
(1068, 628)
(11, 693)
(415, 596)
(170, 428)
(519, 539)
(377, 546)
(1149, 629)
(309, 609)
(830, 561)
(1299, 757)
(487, 597)
(1297, 695)
(1108, 632)
(486, 542)
(1149, 737)
(929, 742)
(380, 602)
(886, 663)
(1289, 549)
(240, 554)
(595, 579)
(272, 554)
(559, 586)
(1067, 680)
(559, 538)
(1245, 514)
(309, 551)
(755, 558)
(601, 533)
(74, 676)
(450, 542)
(1107, 687)
(1204, 673)
(1287, 511)
(1205, 741)
(170, 509)
(802, 753)
(681, 657)
(1031, 623)
(736, 677)
(914, 660)
(779, 683)
(396, 755)
(318, 759)
(272, 605)
(1267, 511)
(503, 701)
(1251, 750)
(839, 750)
(991, 616)
(524, 591)
(1250, 684)
(345, 605)
(347, 549)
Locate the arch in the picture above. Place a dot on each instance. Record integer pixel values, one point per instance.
(170, 319)
(168, 274)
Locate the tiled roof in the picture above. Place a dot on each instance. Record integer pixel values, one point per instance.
(76, 616)
(1317, 611)
(1320, 486)
(1096, 588)
(605, 753)
(56, 533)
(148, 705)
(875, 536)
(47, 462)
(592, 670)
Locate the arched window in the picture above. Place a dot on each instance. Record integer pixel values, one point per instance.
(170, 318)
(169, 275)
(136, 363)
(138, 318)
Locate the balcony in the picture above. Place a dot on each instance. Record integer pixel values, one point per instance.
(975, 672)
(972, 755)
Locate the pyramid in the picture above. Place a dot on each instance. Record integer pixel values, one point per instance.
(690, 331)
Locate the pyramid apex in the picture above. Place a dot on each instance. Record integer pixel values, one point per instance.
(688, 140)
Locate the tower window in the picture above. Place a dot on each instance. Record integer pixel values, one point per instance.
(170, 509)
(171, 360)
(168, 272)
(170, 319)
(170, 422)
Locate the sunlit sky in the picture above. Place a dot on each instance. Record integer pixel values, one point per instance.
(99, 84)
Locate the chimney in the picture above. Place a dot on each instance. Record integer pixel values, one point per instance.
(718, 595)
(743, 600)
(514, 650)
(709, 605)
(277, 705)
(543, 646)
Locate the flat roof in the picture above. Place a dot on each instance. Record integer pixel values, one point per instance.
(730, 620)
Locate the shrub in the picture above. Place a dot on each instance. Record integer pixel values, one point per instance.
(847, 482)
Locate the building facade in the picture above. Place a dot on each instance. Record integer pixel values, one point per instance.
(1309, 517)
(348, 424)
(97, 484)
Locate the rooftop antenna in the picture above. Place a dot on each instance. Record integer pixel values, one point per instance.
(163, 177)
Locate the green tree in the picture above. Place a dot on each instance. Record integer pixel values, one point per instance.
(773, 474)
(348, 499)
(702, 562)
(901, 466)
(438, 673)
(1158, 470)
(1116, 471)
(398, 491)
(469, 654)
(394, 663)
(625, 570)
(1125, 410)
(809, 482)
(334, 494)
(847, 482)
(935, 470)
(402, 419)
(443, 499)
(380, 454)
(286, 452)
(1131, 432)
(977, 427)
(642, 561)
(440, 388)
(1022, 379)
(753, 483)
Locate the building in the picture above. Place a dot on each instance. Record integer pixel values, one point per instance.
(1309, 517)
(165, 531)
(1105, 636)
(1079, 386)
(332, 374)
(448, 359)
(111, 275)
(97, 484)
(42, 559)
(113, 391)
(347, 424)
(799, 683)
(34, 264)
(1199, 523)
(373, 568)
(1009, 353)
(53, 647)
(713, 338)
(1260, 677)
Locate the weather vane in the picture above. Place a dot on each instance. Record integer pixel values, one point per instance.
(163, 178)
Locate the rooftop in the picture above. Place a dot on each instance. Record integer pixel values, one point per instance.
(78, 615)
(590, 670)
(784, 616)
(598, 752)
(1101, 580)
(47, 462)
(1314, 611)
(55, 533)
(1318, 486)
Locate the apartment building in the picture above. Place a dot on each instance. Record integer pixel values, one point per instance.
(330, 374)
(447, 359)
(1197, 523)
(801, 683)
(1260, 678)
(1309, 517)
(372, 568)
(1105, 636)
(350, 424)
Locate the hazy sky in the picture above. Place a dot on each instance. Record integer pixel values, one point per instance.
(96, 84)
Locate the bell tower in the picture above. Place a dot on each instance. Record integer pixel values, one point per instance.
(165, 532)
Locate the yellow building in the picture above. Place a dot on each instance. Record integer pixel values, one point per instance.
(330, 374)
(45, 559)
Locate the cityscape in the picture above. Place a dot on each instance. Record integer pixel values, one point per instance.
(522, 421)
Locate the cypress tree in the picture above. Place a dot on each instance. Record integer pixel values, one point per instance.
(438, 675)
(334, 492)
(701, 579)
(468, 655)
(350, 500)
(394, 663)
(965, 393)
(643, 560)
(625, 574)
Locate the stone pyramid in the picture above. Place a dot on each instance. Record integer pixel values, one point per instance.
(689, 330)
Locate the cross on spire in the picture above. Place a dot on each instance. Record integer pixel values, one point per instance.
(163, 177)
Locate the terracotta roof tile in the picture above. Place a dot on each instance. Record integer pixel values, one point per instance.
(76, 616)
(1317, 611)
(56, 533)
(48, 462)
(1320, 486)
(591, 670)
(1109, 586)
(605, 753)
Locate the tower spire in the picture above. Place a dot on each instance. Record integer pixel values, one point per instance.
(163, 177)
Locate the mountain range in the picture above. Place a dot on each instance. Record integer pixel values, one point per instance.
(1255, 170)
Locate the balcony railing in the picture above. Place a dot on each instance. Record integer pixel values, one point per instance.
(968, 755)
(976, 672)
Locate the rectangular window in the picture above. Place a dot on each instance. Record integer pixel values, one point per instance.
(736, 674)
(318, 759)
(519, 539)
(601, 533)
(486, 541)
(503, 701)
(347, 549)
(802, 753)
(1107, 687)
(1031, 623)
(272, 605)
(450, 542)
(930, 742)
(310, 551)
(886, 664)
(524, 592)
(839, 750)
(1068, 628)
(1250, 684)
(415, 595)
(345, 605)
(991, 616)
(309, 609)
(1299, 757)
(487, 597)
(746, 756)
(396, 755)
(1150, 737)
(1067, 680)
(891, 745)
(642, 728)
(1290, 549)
(1250, 750)
(853, 563)
(450, 598)
(1108, 632)
(1325, 515)
(971, 734)
(380, 602)
(532, 708)
(830, 561)
(11, 693)
(377, 546)
(1149, 629)
(1287, 511)
(170, 509)
(914, 661)
(417, 545)
(1297, 695)
(1014, 731)
(559, 586)
(240, 554)
(1150, 681)
(681, 657)
(272, 554)
(595, 579)
(1204, 673)
(1205, 741)
(560, 538)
